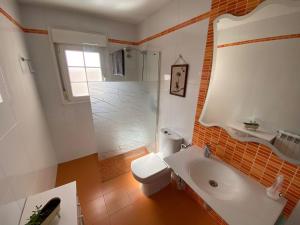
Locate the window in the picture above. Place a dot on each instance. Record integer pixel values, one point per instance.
(1, 100)
(79, 66)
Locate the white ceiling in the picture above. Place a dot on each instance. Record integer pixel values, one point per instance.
(132, 11)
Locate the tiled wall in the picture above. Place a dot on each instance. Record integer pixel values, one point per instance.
(71, 125)
(173, 34)
(27, 157)
(124, 115)
(125, 107)
(253, 159)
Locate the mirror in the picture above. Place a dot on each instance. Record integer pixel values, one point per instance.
(254, 90)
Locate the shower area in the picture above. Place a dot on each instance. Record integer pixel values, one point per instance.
(125, 102)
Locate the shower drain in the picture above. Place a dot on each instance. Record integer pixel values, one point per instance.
(213, 183)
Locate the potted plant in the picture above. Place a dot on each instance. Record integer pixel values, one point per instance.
(252, 125)
(45, 215)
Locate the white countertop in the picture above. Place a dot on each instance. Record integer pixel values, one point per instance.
(68, 208)
(253, 207)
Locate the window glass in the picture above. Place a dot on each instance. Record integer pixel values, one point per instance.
(77, 74)
(1, 100)
(94, 74)
(74, 58)
(81, 67)
(92, 59)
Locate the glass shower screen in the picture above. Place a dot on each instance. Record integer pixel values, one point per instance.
(124, 106)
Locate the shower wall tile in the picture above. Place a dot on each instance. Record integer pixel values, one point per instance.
(124, 114)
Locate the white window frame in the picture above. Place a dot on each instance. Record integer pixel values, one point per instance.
(1, 98)
(64, 73)
(3, 88)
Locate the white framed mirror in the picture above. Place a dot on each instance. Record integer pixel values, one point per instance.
(254, 91)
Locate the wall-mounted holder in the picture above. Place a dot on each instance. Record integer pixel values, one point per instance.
(288, 143)
(26, 63)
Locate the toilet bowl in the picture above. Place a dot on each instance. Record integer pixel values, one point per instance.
(151, 170)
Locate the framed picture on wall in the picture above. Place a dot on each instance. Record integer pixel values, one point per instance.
(179, 74)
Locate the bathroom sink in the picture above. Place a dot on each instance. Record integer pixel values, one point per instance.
(214, 177)
(236, 197)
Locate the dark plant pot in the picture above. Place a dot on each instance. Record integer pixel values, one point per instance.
(50, 210)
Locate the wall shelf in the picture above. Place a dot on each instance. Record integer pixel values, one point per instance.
(241, 131)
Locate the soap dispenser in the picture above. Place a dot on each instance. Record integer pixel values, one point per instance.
(274, 192)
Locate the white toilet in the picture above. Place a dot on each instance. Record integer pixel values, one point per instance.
(151, 170)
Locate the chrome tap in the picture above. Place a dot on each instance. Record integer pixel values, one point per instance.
(184, 146)
(207, 152)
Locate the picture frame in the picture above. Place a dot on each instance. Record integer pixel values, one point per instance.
(179, 75)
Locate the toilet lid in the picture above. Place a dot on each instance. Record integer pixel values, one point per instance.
(148, 166)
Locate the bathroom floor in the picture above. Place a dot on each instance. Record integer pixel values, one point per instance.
(115, 166)
(119, 201)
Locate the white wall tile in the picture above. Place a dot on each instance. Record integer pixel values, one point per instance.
(175, 112)
(71, 125)
(26, 150)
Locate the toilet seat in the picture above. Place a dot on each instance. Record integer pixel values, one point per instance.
(146, 168)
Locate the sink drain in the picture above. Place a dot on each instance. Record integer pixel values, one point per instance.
(213, 183)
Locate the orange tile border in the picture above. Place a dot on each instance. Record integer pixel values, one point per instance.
(10, 18)
(116, 41)
(258, 40)
(160, 34)
(35, 31)
(25, 30)
(176, 27)
(112, 40)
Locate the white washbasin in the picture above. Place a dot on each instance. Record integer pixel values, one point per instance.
(216, 178)
(238, 198)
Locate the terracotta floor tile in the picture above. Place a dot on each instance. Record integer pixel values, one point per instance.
(135, 194)
(120, 201)
(132, 215)
(89, 193)
(122, 217)
(94, 210)
(98, 221)
(120, 164)
(125, 181)
(116, 200)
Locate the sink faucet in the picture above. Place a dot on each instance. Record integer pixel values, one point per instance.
(184, 146)
(207, 152)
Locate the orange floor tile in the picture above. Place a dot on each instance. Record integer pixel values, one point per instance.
(119, 201)
(118, 165)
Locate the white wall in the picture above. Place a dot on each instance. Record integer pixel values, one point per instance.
(71, 124)
(175, 112)
(27, 157)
